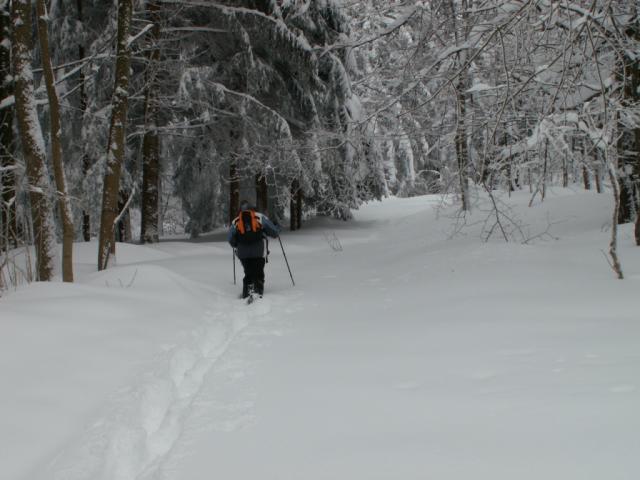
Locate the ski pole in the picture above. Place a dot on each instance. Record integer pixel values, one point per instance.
(234, 266)
(286, 261)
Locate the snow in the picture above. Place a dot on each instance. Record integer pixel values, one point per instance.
(133, 38)
(402, 18)
(407, 355)
(483, 87)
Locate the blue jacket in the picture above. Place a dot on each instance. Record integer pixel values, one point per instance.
(255, 249)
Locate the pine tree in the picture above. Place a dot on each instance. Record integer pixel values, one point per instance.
(273, 106)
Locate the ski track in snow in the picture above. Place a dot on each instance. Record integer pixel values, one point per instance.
(447, 395)
(145, 422)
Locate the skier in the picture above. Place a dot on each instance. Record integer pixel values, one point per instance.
(247, 235)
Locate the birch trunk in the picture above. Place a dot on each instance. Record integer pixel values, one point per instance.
(116, 145)
(32, 142)
(64, 205)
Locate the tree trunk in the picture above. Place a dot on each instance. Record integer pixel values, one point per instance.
(461, 33)
(149, 231)
(8, 224)
(628, 73)
(262, 193)
(116, 146)
(123, 223)
(86, 164)
(299, 208)
(461, 144)
(543, 191)
(585, 178)
(234, 191)
(585, 171)
(64, 205)
(295, 206)
(627, 197)
(32, 142)
(151, 142)
(613, 244)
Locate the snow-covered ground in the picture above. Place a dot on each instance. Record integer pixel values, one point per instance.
(405, 355)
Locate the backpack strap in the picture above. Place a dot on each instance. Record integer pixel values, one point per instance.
(239, 223)
(254, 221)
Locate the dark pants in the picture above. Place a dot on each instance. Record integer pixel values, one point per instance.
(253, 276)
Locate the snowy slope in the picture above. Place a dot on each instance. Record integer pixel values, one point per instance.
(406, 355)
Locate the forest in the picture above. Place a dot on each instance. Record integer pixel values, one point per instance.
(129, 120)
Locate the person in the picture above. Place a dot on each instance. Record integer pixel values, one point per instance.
(247, 235)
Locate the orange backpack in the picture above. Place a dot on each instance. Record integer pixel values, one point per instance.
(248, 227)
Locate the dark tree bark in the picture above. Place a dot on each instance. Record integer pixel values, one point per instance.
(597, 173)
(262, 193)
(149, 231)
(123, 225)
(64, 206)
(295, 206)
(234, 190)
(299, 209)
(32, 141)
(8, 221)
(462, 152)
(613, 243)
(117, 139)
(629, 142)
(585, 178)
(543, 191)
(461, 86)
(84, 103)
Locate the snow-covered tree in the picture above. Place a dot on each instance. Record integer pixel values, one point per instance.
(8, 224)
(32, 142)
(116, 145)
(149, 229)
(64, 204)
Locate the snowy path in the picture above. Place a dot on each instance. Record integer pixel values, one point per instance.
(386, 371)
(404, 356)
(145, 420)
